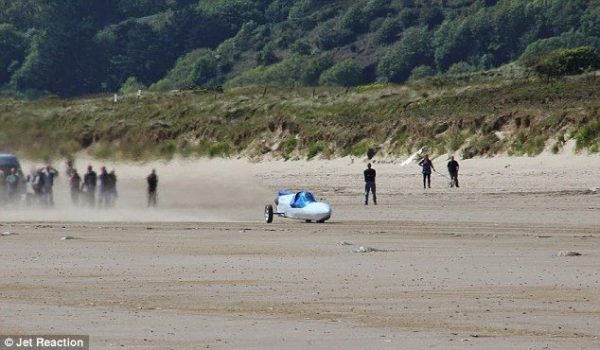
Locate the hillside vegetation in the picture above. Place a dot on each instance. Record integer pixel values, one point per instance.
(77, 47)
(475, 114)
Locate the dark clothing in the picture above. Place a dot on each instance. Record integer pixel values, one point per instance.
(89, 187)
(453, 170)
(75, 183)
(111, 188)
(48, 175)
(427, 166)
(427, 180)
(370, 186)
(454, 180)
(453, 166)
(152, 180)
(103, 182)
(89, 181)
(370, 175)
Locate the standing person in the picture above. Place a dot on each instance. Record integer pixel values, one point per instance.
(152, 180)
(453, 170)
(370, 174)
(69, 169)
(12, 184)
(112, 188)
(48, 174)
(89, 186)
(37, 185)
(427, 166)
(75, 184)
(103, 187)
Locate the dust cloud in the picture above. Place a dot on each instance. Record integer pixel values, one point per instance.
(199, 190)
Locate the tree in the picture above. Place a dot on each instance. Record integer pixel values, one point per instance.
(345, 73)
(421, 72)
(131, 85)
(206, 70)
(62, 58)
(12, 51)
(388, 32)
(413, 50)
(566, 62)
(266, 56)
(313, 68)
(461, 68)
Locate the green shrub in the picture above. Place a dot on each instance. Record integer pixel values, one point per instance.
(566, 62)
(314, 149)
(345, 73)
(414, 49)
(461, 68)
(588, 135)
(131, 85)
(218, 149)
(360, 149)
(388, 31)
(421, 72)
(288, 146)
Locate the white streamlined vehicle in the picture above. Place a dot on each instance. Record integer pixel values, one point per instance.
(300, 205)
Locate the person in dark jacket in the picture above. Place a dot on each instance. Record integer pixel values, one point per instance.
(103, 187)
(112, 188)
(75, 184)
(453, 170)
(427, 166)
(89, 186)
(370, 175)
(152, 181)
(48, 173)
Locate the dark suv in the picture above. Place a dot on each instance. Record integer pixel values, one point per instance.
(8, 161)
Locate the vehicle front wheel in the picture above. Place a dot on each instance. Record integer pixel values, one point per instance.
(268, 213)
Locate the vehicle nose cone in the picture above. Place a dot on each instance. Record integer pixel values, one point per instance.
(324, 208)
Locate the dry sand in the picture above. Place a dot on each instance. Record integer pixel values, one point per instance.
(475, 267)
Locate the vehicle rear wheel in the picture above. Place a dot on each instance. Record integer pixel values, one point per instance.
(268, 213)
(307, 220)
(320, 221)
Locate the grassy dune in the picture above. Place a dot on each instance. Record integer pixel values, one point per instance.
(481, 114)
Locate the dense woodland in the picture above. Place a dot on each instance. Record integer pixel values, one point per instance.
(76, 47)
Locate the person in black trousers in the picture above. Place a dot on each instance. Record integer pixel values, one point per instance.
(453, 170)
(152, 180)
(370, 174)
(427, 166)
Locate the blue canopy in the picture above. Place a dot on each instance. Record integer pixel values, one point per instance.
(302, 199)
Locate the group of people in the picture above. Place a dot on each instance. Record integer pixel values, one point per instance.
(91, 190)
(426, 170)
(11, 184)
(15, 185)
(105, 184)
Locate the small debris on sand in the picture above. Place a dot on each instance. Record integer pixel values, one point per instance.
(67, 238)
(568, 253)
(362, 249)
(7, 233)
(345, 243)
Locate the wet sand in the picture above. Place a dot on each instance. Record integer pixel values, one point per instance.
(476, 267)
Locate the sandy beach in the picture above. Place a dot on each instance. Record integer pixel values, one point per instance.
(478, 267)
